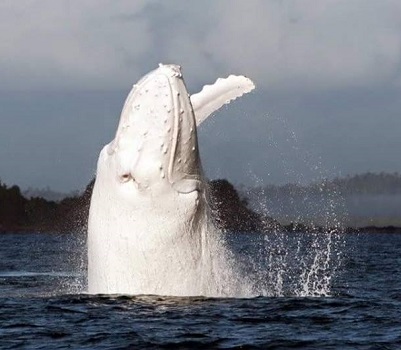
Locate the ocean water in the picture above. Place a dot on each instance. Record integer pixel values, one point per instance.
(315, 293)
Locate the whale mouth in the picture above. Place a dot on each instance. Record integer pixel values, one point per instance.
(156, 138)
(184, 169)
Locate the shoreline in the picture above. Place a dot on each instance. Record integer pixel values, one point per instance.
(288, 229)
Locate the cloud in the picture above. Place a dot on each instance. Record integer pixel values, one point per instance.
(309, 44)
(63, 44)
(281, 44)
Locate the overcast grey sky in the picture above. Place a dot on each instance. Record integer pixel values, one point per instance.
(328, 76)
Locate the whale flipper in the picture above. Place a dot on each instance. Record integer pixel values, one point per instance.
(223, 91)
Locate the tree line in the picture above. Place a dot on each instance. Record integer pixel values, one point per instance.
(18, 213)
(362, 184)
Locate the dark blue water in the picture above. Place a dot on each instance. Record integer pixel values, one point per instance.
(42, 305)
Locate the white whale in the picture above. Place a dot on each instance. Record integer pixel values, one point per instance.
(148, 229)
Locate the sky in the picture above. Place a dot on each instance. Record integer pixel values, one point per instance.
(328, 77)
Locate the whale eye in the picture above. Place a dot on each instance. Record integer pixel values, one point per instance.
(125, 177)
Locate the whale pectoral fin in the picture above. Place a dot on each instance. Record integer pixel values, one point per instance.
(187, 185)
(223, 91)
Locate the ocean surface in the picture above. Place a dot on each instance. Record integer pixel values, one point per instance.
(318, 293)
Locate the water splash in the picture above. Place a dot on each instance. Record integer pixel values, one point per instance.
(77, 261)
(249, 265)
(297, 263)
(273, 264)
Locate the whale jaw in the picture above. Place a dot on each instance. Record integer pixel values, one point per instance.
(156, 140)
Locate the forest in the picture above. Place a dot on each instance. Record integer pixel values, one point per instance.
(36, 214)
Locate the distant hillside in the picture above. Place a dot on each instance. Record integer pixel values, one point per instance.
(47, 193)
(18, 213)
(360, 200)
(368, 183)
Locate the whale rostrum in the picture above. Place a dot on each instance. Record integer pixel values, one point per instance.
(149, 230)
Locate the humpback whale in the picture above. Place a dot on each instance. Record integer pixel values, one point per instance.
(149, 229)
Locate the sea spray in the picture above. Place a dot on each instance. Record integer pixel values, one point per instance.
(301, 260)
(269, 264)
(153, 234)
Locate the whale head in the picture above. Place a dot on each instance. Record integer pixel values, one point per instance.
(156, 145)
